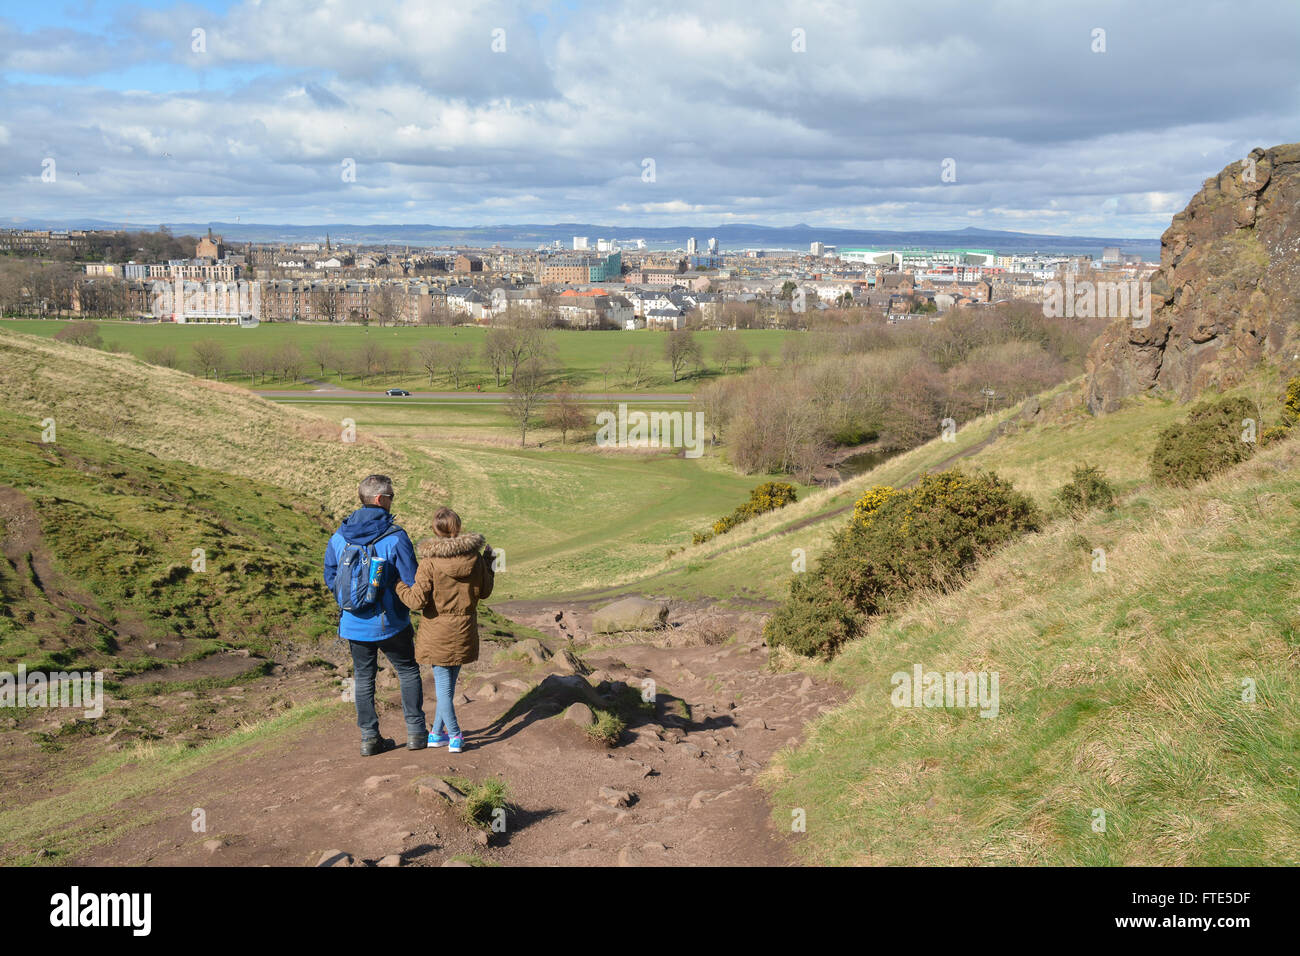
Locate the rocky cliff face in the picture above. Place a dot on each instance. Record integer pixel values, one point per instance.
(1226, 295)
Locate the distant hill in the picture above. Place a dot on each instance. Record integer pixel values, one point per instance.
(730, 236)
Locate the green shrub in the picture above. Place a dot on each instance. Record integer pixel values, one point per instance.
(482, 800)
(871, 501)
(1208, 442)
(1291, 404)
(1088, 489)
(1276, 433)
(768, 496)
(927, 537)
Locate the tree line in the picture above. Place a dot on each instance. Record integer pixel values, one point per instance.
(871, 382)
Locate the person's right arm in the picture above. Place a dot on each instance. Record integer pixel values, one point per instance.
(487, 577)
(417, 595)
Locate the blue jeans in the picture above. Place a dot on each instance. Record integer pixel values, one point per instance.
(400, 651)
(444, 683)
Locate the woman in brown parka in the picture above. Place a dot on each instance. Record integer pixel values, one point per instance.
(451, 579)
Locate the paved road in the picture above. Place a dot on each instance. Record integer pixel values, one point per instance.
(343, 393)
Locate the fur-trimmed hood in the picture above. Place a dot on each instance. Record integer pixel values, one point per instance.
(437, 547)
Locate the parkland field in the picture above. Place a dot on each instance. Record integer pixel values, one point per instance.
(592, 361)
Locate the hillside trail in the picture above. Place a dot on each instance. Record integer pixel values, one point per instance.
(650, 579)
(678, 789)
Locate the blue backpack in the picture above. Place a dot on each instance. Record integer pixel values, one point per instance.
(353, 588)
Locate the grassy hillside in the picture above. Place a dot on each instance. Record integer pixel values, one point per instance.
(582, 355)
(1121, 691)
(178, 417)
(99, 557)
(567, 518)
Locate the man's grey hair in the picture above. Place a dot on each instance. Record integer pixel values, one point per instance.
(374, 485)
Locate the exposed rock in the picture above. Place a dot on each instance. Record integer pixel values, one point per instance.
(393, 859)
(1226, 295)
(616, 798)
(439, 789)
(535, 650)
(580, 714)
(335, 858)
(630, 614)
(566, 662)
(699, 799)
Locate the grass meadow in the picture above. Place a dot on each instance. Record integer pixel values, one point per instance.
(582, 356)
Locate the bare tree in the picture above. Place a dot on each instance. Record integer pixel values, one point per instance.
(164, 357)
(636, 360)
(252, 362)
(495, 351)
(323, 356)
(429, 354)
(388, 305)
(456, 361)
(368, 359)
(526, 391)
(681, 350)
(327, 302)
(210, 357)
(728, 350)
(80, 333)
(287, 361)
(564, 412)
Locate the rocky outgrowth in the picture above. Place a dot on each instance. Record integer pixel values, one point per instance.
(630, 614)
(1226, 295)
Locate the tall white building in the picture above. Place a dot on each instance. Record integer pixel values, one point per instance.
(713, 247)
(691, 246)
(579, 242)
(817, 249)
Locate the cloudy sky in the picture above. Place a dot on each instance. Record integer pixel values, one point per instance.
(834, 113)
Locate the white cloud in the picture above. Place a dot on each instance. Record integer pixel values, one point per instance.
(851, 132)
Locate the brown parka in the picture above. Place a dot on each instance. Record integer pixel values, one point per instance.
(451, 579)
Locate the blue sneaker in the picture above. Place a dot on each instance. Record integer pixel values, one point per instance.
(456, 743)
(438, 740)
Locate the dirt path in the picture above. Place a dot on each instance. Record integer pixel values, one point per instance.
(676, 790)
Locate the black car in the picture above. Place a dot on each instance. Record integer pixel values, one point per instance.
(397, 392)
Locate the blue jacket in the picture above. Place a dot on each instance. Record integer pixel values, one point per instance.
(390, 616)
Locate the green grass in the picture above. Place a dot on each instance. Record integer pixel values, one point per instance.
(1120, 691)
(608, 727)
(581, 355)
(482, 800)
(120, 528)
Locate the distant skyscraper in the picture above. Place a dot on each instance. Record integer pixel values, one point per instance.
(713, 247)
(817, 249)
(579, 242)
(691, 246)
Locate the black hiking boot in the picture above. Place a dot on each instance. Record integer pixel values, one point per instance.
(376, 745)
(417, 741)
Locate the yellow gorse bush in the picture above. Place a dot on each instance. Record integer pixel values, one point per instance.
(871, 501)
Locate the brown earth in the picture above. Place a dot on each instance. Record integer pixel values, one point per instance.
(677, 789)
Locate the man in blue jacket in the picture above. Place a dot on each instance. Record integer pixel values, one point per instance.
(384, 625)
